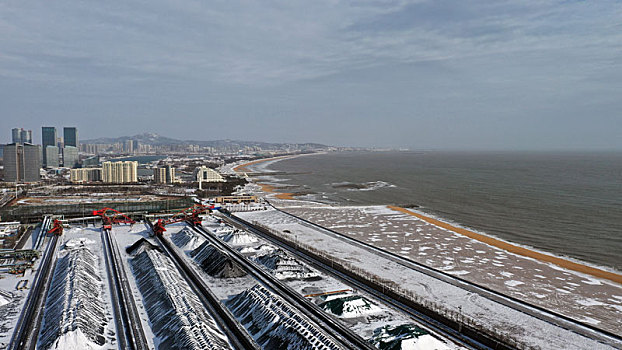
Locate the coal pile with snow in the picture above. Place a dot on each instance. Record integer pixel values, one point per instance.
(239, 237)
(74, 313)
(187, 239)
(215, 262)
(274, 324)
(285, 267)
(177, 317)
(405, 336)
(349, 306)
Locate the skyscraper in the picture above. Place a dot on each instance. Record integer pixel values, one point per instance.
(48, 138)
(51, 156)
(70, 156)
(70, 134)
(21, 136)
(21, 162)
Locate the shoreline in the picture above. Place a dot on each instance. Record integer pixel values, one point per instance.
(243, 167)
(515, 249)
(489, 240)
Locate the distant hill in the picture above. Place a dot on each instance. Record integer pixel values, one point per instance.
(158, 140)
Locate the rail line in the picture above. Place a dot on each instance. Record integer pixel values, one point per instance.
(236, 334)
(331, 326)
(532, 310)
(130, 334)
(27, 329)
(429, 322)
(541, 313)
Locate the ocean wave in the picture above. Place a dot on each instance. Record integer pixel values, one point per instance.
(363, 186)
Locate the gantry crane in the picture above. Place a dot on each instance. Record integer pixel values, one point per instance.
(57, 228)
(191, 214)
(110, 216)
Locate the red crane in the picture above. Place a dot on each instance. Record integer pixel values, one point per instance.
(57, 229)
(110, 216)
(191, 214)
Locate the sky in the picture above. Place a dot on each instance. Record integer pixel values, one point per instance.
(423, 74)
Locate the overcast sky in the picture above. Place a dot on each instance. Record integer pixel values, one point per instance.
(463, 74)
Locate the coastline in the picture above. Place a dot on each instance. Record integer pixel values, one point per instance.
(489, 240)
(515, 249)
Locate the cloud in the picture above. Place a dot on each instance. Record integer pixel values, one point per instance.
(310, 59)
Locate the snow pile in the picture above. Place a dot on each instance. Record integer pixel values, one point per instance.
(177, 316)
(216, 263)
(187, 239)
(5, 297)
(285, 267)
(349, 306)
(74, 313)
(274, 324)
(75, 339)
(405, 336)
(239, 237)
(262, 249)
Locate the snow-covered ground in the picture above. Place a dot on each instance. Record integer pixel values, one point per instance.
(425, 289)
(11, 299)
(583, 297)
(364, 318)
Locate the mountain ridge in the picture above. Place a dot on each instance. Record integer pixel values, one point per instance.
(159, 140)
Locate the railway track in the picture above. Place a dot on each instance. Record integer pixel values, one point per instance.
(517, 304)
(435, 325)
(236, 334)
(342, 335)
(130, 334)
(27, 328)
(455, 331)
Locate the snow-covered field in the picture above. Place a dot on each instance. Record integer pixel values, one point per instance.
(427, 290)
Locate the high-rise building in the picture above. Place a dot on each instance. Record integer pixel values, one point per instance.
(164, 175)
(21, 136)
(85, 175)
(48, 138)
(51, 157)
(21, 162)
(70, 156)
(70, 136)
(128, 146)
(120, 172)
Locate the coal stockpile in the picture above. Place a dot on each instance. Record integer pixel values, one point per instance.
(176, 314)
(274, 324)
(75, 312)
(216, 263)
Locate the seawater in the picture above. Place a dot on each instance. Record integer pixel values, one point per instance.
(565, 203)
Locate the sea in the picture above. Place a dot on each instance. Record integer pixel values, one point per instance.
(568, 204)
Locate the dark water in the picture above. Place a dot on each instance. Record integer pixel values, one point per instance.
(568, 204)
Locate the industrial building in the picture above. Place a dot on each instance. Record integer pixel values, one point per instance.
(22, 162)
(120, 172)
